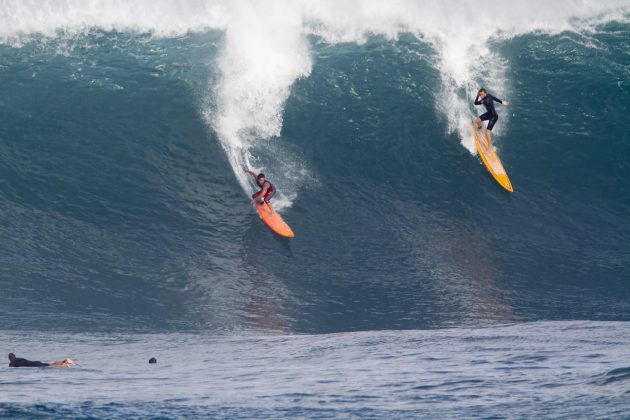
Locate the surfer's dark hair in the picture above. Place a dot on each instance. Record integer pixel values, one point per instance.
(482, 90)
(260, 175)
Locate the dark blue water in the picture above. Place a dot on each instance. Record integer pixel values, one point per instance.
(126, 231)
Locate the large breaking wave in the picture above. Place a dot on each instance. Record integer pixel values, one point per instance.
(266, 47)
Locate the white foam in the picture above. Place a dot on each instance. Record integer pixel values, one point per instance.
(461, 31)
(260, 60)
(266, 49)
(20, 19)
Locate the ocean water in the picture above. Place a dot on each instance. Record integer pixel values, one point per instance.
(573, 369)
(415, 286)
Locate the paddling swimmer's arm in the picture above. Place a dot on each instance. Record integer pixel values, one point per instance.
(64, 363)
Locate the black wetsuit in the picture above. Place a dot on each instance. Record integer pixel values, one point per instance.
(491, 113)
(19, 362)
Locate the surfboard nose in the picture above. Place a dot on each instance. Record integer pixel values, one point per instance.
(505, 182)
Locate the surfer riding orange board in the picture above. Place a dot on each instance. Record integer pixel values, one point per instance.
(264, 209)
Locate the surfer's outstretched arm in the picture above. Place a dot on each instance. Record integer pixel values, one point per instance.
(502, 102)
(249, 171)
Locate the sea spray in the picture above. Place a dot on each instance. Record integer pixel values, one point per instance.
(265, 50)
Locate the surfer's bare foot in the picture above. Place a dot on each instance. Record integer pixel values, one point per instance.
(477, 123)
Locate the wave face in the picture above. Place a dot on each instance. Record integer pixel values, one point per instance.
(126, 126)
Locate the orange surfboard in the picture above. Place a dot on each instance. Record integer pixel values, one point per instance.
(491, 159)
(273, 220)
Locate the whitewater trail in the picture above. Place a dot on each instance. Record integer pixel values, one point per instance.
(266, 48)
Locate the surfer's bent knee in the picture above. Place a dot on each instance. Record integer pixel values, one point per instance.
(492, 122)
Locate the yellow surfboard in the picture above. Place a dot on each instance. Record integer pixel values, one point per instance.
(491, 159)
(273, 220)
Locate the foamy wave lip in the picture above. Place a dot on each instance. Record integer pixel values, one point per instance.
(20, 19)
(460, 32)
(266, 49)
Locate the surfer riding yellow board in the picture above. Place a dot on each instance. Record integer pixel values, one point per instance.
(483, 141)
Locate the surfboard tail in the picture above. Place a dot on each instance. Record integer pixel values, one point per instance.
(273, 220)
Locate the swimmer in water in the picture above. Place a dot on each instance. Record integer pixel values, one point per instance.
(20, 362)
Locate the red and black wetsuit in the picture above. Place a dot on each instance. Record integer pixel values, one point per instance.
(491, 113)
(270, 192)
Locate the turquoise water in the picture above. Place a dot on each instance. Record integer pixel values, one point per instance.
(127, 230)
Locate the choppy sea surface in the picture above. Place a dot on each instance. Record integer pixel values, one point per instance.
(415, 286)
(540, 369)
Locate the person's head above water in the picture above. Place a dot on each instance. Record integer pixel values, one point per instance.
(11, 357)
(260, 179)
(153, 360)
(482, 92)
